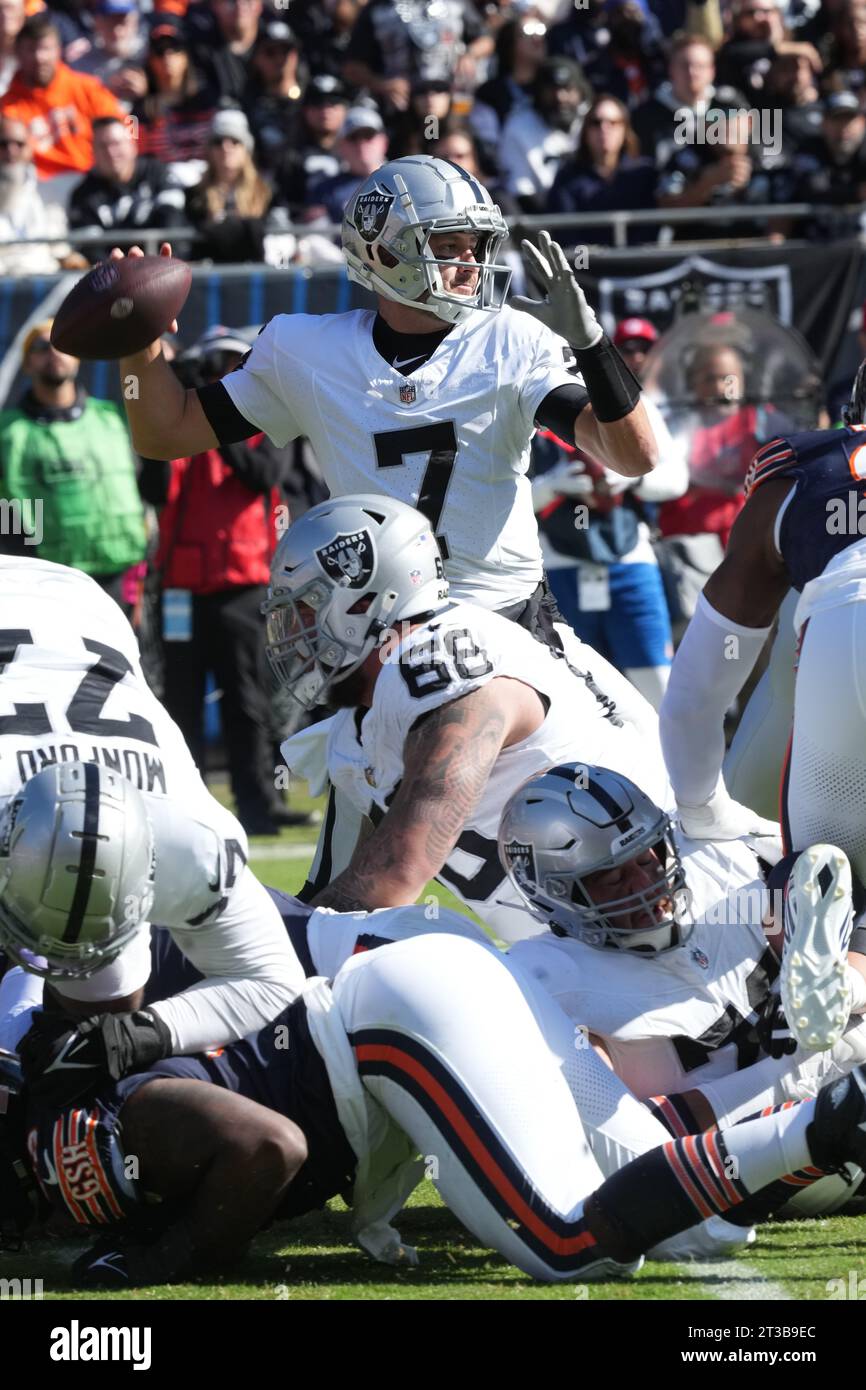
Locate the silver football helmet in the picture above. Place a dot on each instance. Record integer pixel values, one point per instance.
(341, 576)
(387, 227)
(76, 870)
(574, 821)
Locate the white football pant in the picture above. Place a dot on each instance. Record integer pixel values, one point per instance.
(501, 1122)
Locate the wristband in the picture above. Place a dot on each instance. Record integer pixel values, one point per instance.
(613, 388)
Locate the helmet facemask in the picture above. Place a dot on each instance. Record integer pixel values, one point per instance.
(305, 652)
(390, 221)
(413, 249)
(564, 829)
(599, 924)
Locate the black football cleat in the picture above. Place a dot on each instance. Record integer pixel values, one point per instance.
(837, 1134)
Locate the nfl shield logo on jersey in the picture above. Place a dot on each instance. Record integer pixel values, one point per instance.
(408, 393)
(371, 213)
(700, 958)
(348, 559)
(521, 861)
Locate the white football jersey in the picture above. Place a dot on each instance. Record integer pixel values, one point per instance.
(673, 1021)
(72, 689)
(457, 651)
(453, 438)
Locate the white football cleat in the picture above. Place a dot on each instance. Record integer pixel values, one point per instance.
(713, 1239)
(816, 995)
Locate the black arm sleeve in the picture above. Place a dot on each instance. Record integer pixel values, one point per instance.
(223, 416)
(559, 410)
(153, 481)
(259, 468)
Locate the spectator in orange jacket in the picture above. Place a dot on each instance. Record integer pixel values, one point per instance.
(56, 104)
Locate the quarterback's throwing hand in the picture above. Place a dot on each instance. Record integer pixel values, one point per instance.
(565, 309)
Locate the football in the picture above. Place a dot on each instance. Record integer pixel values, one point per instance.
(120, 306)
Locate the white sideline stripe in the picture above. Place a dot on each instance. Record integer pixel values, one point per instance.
(734, 1280)
(282, 852)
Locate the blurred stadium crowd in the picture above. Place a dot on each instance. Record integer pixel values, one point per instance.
(238, 119)
(241, 129)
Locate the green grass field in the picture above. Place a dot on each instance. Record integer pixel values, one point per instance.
(312, 1259)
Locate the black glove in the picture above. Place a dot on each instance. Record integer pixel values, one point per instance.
(63, 1063)
(775, 1035)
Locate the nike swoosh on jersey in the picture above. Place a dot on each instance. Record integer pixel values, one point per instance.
(404, 362)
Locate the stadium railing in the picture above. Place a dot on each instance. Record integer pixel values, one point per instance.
(619, 222)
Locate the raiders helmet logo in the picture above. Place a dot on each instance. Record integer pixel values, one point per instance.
(521, 861)
(348, 559)
(371, 213)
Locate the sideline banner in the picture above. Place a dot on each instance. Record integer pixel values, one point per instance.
(815, 288)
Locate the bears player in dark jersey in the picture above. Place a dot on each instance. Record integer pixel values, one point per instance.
(396, 1057)
(802, 527)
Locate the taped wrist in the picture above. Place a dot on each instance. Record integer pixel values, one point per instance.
(613, 388)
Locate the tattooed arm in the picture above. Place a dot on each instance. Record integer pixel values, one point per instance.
(447, 759)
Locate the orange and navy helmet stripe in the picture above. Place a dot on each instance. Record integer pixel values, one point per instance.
(564, 1245)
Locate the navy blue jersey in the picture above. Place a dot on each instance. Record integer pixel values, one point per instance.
(77, 1153)
(824, 516)
(171, 973)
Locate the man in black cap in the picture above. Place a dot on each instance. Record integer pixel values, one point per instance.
(272, 95)
(362, 147)
(313, 155)
(536, 138)
(832, 168)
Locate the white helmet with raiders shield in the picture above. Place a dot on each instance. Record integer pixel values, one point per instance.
(387, 228)
(576, 821)
(341, 576)
(76, 870)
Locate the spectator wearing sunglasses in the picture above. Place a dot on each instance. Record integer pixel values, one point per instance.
(230, 206)
(25, 214)
(174, 118)
(744, 58)
(607, 174)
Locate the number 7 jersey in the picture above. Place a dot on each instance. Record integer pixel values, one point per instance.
(451, 439)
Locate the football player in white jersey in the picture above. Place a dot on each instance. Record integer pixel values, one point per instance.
(433, 397)
(667, 948)
(105, 826)
(447, 707)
